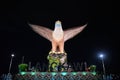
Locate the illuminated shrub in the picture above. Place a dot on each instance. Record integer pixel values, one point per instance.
(92, 68)
(22, 67)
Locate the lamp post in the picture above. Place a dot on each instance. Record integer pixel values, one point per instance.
(102, 56)
(12, 55)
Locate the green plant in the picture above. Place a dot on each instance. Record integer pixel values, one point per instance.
(92, 68)
(23, 67)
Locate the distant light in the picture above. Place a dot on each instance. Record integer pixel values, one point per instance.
(64, 73)
(54, 73)
(94, 73)
(74, 73)
(101, 55)
(84, 73)
(12, 55)
(43, 73)
(32, 73)
(23, 73)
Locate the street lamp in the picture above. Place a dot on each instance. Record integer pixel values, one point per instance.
(102, 56)
(12, 55)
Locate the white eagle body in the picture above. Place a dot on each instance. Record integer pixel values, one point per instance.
(58, 33)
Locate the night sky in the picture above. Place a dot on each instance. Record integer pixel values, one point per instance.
(100, 35)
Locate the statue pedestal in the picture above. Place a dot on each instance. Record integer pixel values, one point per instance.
(57, 61)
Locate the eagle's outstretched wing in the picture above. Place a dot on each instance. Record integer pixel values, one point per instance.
(43, 31)
(70, 33)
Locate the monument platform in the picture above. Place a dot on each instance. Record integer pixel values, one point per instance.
(57, 76)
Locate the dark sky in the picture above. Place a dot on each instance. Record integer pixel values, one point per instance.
(101, 34)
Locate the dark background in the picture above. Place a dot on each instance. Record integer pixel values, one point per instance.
(101, 34)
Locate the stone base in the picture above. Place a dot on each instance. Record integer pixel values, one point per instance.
(58, 76)
(57, 61)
